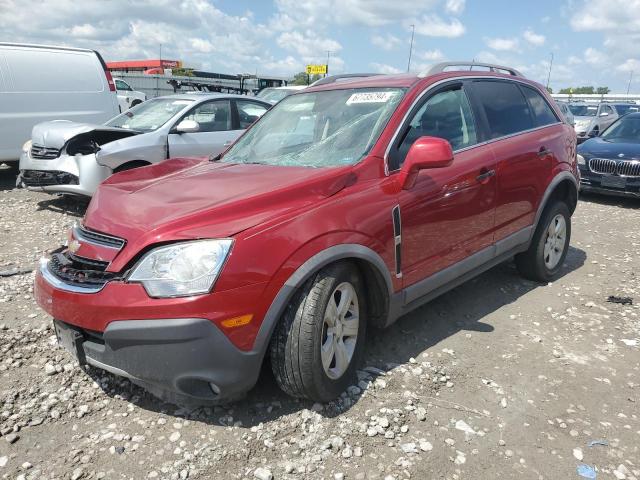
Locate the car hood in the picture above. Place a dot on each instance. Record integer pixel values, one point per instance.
(599, 147)
(56, 133)
(195, 198)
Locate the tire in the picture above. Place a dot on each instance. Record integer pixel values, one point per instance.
(135, 102)
(548, 248)
(299, 366)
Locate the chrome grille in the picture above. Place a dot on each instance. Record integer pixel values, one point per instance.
(602, 165)
(44, 153)
(608, 166)
(629, 169)
(96, 238)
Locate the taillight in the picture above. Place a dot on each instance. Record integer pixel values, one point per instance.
(112, 85)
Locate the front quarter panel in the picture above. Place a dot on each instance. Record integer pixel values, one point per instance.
(150, 147)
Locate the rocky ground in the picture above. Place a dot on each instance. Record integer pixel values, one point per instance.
(500, 378)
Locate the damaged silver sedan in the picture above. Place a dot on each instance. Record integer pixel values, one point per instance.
(73, 158)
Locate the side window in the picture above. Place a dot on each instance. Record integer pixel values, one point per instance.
(447, 115)
(212, 116)
(120, 85)
(249, 112)
(542, 112)
(505, 107)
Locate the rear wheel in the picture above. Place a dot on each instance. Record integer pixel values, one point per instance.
(549, 246)
(319, 341)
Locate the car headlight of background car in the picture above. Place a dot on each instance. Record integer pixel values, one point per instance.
(581, 160)
(583, 124)
(26, 146)
(181, 269)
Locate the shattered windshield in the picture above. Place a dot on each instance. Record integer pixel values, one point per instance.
(274, 95)
(149, 115)
(320, 129)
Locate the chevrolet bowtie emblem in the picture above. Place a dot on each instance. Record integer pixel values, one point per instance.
(74, 246)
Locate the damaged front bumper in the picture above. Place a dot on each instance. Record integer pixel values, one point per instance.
(77, 174)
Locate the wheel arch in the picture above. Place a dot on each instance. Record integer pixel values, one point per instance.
(374, 273)
(131, 164)
(564, 187)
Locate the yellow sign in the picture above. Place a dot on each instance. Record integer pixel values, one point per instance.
(317, 69)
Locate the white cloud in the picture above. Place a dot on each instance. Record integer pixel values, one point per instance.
(534, 38)
(434, 26)
(383, 68)
(630, 65)
(573, 60)
(594, 57)
(454, 7)
(307, 44)
(435, 55)
(386, 42)
(503, 44)
(371, 13)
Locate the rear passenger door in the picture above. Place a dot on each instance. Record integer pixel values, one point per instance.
(215, 133)
(448, 213)
(525, 135)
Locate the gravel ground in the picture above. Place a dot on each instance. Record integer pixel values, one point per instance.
(500, 378)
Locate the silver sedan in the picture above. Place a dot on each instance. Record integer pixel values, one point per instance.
(73, 158)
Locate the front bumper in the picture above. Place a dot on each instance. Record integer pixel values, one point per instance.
(185, 361)
(593, 182)
(78, 175)
(176, 348)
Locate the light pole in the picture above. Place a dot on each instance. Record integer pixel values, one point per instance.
(629, 84)
(328, 55)
(413, 31)
(549, 75)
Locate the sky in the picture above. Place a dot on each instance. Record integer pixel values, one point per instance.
(595, 42)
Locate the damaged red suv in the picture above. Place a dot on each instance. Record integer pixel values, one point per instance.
(344, 207)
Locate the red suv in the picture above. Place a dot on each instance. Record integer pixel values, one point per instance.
(344, 207)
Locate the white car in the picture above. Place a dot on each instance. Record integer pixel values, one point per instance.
(127, 96)
(274, 94)
(73, 158)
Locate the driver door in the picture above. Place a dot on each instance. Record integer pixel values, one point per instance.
(214, 135)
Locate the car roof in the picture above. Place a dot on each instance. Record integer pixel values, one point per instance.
(199, 96)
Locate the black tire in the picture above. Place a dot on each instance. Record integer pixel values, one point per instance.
(531, 264)
(295, 348)
(135, 102)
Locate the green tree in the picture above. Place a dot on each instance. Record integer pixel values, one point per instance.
(549, 89)
(182, 72)
(303, 79)
(603, 90)
(579, 90)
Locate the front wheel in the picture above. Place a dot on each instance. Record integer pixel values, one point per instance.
(549, 246)
(319, 341)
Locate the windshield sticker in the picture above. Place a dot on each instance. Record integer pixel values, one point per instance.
(370, 97)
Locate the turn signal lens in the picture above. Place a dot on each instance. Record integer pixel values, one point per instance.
(237, 321)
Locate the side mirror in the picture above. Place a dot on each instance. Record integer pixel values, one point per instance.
(426, 152)
(592, 133)
(188, 126)
(604, 114)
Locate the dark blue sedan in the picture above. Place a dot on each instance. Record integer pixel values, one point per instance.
(610, 163)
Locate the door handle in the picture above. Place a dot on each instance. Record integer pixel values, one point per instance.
(543, 152)
(486, 174)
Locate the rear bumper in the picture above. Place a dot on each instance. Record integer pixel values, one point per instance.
(78, 175)
(184, 361)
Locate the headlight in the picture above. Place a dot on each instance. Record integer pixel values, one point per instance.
(581, 160)
(181, 269)
(26, 146)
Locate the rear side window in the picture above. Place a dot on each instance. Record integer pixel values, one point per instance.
(446, 114)
(542, 112)
(43, 70)
(505, 107)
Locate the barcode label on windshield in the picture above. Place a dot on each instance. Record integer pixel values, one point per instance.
(370, 97)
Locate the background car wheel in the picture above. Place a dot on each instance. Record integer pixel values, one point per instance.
(135, 102)
(319, 341)
(549, 246)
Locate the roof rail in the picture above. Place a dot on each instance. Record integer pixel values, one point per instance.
(342, 77)
(441, 67)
